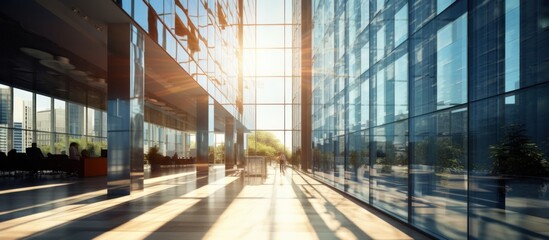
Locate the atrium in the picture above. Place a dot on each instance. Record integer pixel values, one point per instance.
(274, 119)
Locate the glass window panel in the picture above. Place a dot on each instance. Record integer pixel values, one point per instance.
(270, 90)
(171, 45)
(339, 160)
(365, 58)
(380, 46)
(265, 143)
(509, 151)
(249, 112)
(288, 11)
(104, 124)
(270, 62)
(60, 115)
(401, 87)
(288, 146)
(95, 144)
(288, 90)
(401, 25)
(512, 45)
(288, 36)
(443, 4)
(357, 166)
(364, 14)
(43, 113)
(249, 57)
(249, 37)
(390, 168)
(5, 105)
(140, 10)
(270, 117)
(352, 20)
(77, 119)
(270, 12)
(439, 174)
(22, 139)
(169, 13)
(60, 145)
(5, 115)
(288, 62)
(341, 36)
(452, 63)
(22, 109)
(80, 140)
(270, 36)
(365, 104)
(288, 117)
(380, 99)
(380, 4)
(353, 108)
(44, 142)
(94, 122)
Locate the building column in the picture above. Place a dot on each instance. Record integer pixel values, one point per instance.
(230, 143)
(239, 146)
(125, 109)
(202, 128)
(306, 85)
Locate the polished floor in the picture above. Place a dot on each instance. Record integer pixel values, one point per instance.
(184, 203)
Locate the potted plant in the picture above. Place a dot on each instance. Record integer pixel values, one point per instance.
(154, 158)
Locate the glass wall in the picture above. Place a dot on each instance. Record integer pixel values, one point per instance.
(168, 140)
(55, 123)
(202, 36)
(268, 77)
(435, 112)
(47, 122)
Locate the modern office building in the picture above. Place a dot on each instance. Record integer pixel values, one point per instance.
(436, 112)
(432, 112)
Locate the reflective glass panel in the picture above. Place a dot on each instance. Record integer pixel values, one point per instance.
(439, 173)
(390, 168)
(401, 25)
(509, 177)
(452, 63)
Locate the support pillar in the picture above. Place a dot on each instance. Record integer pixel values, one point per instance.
(125, 109)
(306, 85)
(230, 157)
(202, 128)
(240, 147)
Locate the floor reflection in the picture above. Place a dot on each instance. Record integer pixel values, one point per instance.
(204, 202)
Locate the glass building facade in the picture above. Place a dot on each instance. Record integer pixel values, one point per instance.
(267, 70)
(435, 112)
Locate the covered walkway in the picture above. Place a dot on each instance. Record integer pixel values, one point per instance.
(187, 204)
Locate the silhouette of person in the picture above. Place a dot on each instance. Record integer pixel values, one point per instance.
(282, 162)
(34, 152)
(74, 154)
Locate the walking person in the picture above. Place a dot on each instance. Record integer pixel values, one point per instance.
(282, 162)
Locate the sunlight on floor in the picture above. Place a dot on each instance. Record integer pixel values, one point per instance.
(32, 188)
(154, 219)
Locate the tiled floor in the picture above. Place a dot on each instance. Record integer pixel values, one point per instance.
(184, 204)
